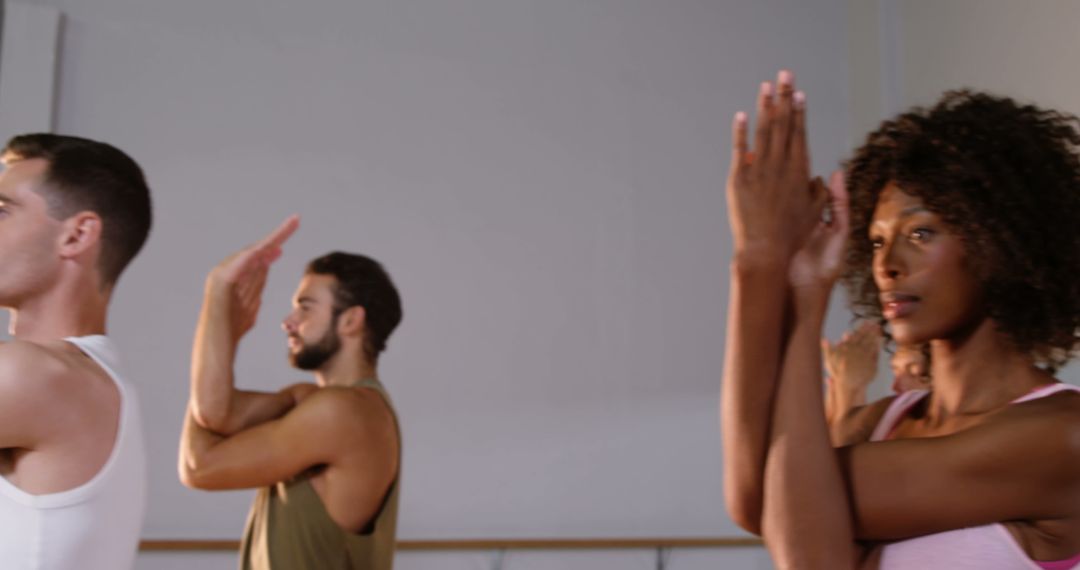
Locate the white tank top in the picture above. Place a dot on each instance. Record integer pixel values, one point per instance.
(96, 525)
(987, 547)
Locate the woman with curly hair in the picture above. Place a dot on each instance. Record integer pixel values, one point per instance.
(962, 232)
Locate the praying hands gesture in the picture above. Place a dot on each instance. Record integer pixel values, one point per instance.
(230, 306)
(789, 235)
(773, 208)
(769, 189)
(239, 279)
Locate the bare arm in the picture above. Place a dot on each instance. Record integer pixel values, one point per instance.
(751, 355)
(806, 521)
(322, 430)
(25, 399)
(769, 194)
(1022, 465)
(230, 305)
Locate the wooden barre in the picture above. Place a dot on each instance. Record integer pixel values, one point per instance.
(493, 544)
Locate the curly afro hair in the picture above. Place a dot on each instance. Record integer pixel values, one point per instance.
(1005, 178)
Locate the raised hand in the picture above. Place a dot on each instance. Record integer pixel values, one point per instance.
(820, 260)
(853, 361)
(239, 279)
(768, 189)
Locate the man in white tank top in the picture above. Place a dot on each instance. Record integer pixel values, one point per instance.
(73, 213)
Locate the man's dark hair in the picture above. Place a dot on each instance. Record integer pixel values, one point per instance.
(1006, 178)
(363, 281)
(85, 175)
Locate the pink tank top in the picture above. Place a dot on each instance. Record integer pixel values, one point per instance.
(987, 547)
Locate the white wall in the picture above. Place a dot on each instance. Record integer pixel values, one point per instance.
(1020, 49)
(545, 182)
(544, 179)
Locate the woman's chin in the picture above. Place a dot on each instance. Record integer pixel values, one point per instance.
(907, 335)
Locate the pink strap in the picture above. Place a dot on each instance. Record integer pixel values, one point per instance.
(897, 409)
(1044, 391)
(900, 406)
(1067, 564)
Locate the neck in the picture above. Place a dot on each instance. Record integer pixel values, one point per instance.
(345, 368)
(75, 310)
(979, 373)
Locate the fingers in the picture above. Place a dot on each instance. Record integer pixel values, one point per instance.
(780, 126)
(797, 147)
(838, 196)
(866, 336)
(870, 329)
(250, 286)
(276, 238)
(780, 135)
(739, 147)
(829, 350)
(826, 348)
(256, 290)
(819, 200)
(763, 126)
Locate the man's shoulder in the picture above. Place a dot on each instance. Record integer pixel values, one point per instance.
(345, 402)
(34, 379)
(21, 361)
(357, 411)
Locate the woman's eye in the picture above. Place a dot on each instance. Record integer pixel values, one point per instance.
(921, 234)
(876, 242)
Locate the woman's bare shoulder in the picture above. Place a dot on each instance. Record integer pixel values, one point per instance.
(858, 424)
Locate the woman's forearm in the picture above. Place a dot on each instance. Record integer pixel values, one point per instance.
(806, 517)
(751, 364)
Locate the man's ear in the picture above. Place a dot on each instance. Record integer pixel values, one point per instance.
(81, 232)
(352, 320)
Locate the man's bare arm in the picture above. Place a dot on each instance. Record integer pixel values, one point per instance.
(230, 305)
(248, 409)
(322, 430)
(25, 398)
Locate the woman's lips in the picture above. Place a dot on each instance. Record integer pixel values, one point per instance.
(898, 306)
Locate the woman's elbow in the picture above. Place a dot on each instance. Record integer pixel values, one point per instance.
(745, 512)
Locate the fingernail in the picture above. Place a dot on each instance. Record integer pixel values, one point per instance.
(785, 77)
(800, 99)
(766, 88)
(740, 118)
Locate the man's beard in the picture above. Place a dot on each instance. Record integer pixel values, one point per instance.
(313, 356)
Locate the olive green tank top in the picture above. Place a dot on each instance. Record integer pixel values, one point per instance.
(289, 529)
